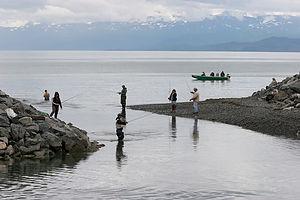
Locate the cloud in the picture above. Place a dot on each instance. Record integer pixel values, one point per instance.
(20, 12)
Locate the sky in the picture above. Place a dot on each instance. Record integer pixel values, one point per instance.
(16, 13)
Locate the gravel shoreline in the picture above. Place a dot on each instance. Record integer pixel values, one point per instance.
(249, 113)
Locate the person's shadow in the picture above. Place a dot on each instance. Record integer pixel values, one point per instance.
(120, 157)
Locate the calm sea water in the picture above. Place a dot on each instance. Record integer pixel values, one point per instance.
(162, 157)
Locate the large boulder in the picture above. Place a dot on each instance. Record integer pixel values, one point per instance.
(295, 86)
(53, 140)
(26, 121)
(30, 149)
(17, 132)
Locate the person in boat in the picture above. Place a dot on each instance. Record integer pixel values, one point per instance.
(195, 99)
(222, 74)
(56, 103)
(217, 75)
(203, 74)
(123, 96)
(46, 95)
(212, 74)
(173, 99)
(120, 123)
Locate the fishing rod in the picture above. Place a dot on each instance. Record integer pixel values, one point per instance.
(140, 117)
(188, 85)
(71, 98)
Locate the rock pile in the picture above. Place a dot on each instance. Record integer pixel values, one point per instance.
(285, 94)
(28, 133)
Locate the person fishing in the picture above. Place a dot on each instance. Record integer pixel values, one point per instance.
(123, 96)
(55, 105)
(195, 99)
(46, 95)
(120, 123)
(173, 99)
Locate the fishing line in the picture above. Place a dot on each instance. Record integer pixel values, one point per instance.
(140, 117)
(72, 97)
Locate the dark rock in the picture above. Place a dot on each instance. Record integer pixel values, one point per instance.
(3, 113)
(3, 152)
(2, 94)
(17, 132)
(30, 149)
(5, 132)
(4, 121)
(33, 128)
(295, 86)
(281, 96)
(35, 140)
(18, 108)
(44, 127)
(3, 106)
(4, 139)
(52, 140)
(40, 154)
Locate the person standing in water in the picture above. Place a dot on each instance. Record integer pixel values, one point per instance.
(120, 123)
(123, 96)
(195, 99)
(55, 105)
(46, 96)
(173, 99)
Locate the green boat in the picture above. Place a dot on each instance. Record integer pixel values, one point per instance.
(211, 78)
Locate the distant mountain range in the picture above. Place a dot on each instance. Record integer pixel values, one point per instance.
(220, 33)
(272, 44)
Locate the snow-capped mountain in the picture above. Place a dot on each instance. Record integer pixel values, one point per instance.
(149, 35)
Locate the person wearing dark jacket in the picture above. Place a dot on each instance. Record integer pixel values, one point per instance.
(55, 105)
(120, 123)
(123, 96)
(173, 99)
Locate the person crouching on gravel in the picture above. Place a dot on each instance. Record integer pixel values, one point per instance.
(173, 99)
(120, 123)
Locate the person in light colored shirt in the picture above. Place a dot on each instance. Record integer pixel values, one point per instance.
(195, 99)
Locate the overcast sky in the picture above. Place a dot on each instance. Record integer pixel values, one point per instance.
(14, 13)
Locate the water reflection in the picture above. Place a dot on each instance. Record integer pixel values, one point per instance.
(16, 172)
(123, 112)
(120, 156)
(195, 134)
(172, 127)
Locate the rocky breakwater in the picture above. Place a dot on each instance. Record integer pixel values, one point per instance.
(284, 95)
(26, 132)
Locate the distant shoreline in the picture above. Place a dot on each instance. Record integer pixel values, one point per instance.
(249, 113)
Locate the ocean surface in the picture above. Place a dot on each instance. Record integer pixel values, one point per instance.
(162, 157)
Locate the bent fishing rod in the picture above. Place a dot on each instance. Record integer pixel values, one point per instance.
(71, 97)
